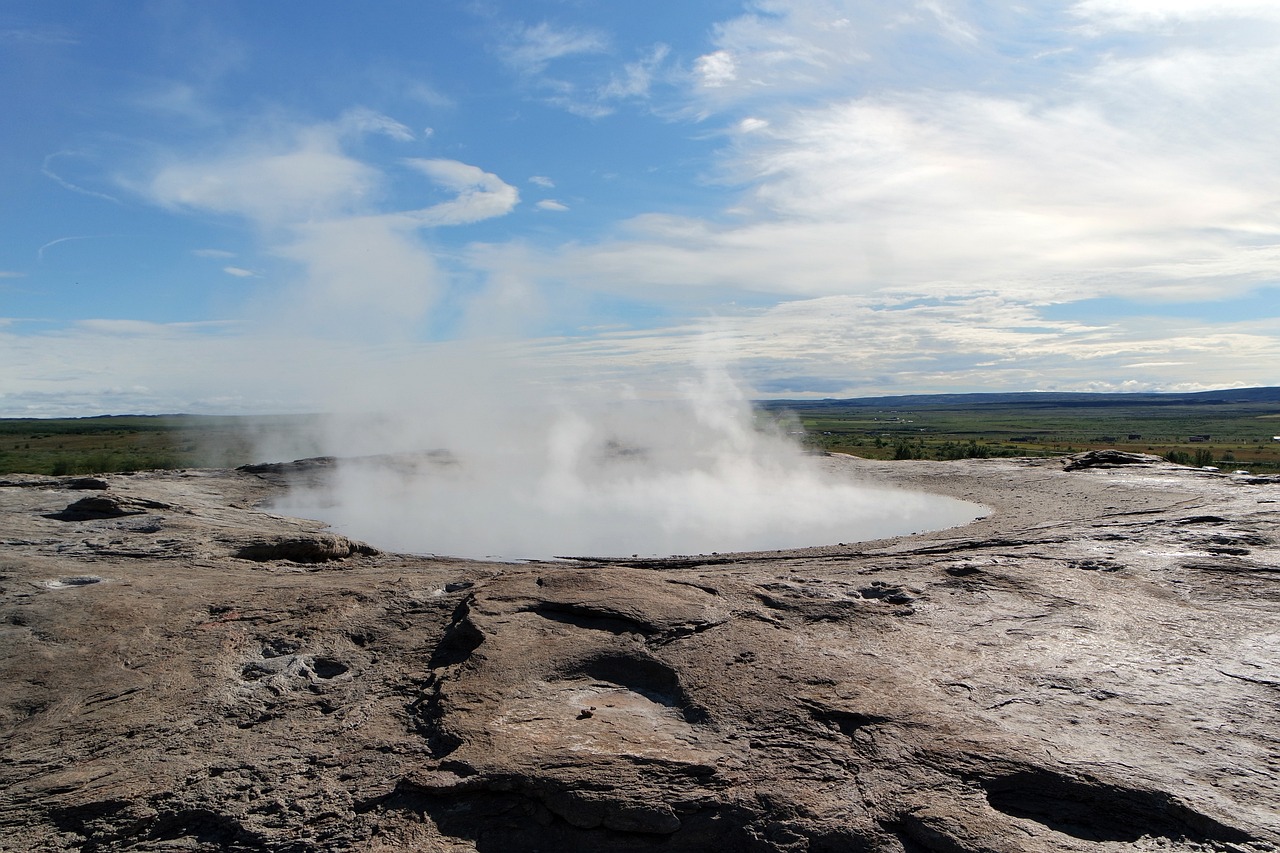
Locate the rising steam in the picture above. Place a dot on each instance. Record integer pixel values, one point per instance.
(694, 476)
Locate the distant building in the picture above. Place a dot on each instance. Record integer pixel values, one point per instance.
(1198, 438)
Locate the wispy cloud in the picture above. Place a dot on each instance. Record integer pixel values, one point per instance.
(11, 274)
(239, 272)
(542, 181)
(40, 252)
(361, 120)
(635, 80)
(551, 204)
(425, 93)
(212, 253)
(530, 49)
(573, 68)
(48, 171)
(36, 36)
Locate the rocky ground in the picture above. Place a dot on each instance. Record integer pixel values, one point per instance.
(1094, 666)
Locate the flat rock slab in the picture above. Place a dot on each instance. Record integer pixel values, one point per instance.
(1093, 666)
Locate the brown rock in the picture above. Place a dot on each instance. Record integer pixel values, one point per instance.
(1094, 666)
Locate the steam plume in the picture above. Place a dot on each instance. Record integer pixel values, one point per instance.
(595, 478)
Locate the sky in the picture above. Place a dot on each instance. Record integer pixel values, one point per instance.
(272, 207)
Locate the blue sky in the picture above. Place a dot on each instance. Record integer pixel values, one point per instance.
(249, 206)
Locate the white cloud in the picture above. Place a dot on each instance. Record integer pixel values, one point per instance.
(916, 343)
(542, 181)
(551, 204)
(278, 175)
(308, 178)
(212, 253)
(779, 49)
(1141, 14)
(239, 272)
(480, 194)
(11, 274)
(1146, 172)
(952, 25)
(717, 69)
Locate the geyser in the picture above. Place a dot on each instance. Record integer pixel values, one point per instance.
(648, 479)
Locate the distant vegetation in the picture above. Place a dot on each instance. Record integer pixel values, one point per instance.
(1226, 429)
(121, 443)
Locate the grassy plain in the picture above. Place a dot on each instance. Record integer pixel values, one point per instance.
(1225, 429)
(123, 443)
(1239, 426)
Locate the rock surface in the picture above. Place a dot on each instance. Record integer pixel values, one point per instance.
(1094, 666)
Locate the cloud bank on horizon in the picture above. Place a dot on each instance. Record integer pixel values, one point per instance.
(240, 208)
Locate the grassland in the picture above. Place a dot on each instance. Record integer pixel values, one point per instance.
(1229, 430)
(1232, 429)
(122, 443)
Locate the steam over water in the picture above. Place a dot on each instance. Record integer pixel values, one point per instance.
(639, 479)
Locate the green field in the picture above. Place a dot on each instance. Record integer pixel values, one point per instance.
(122, 443)
(1225, 429)
(1234, 429)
